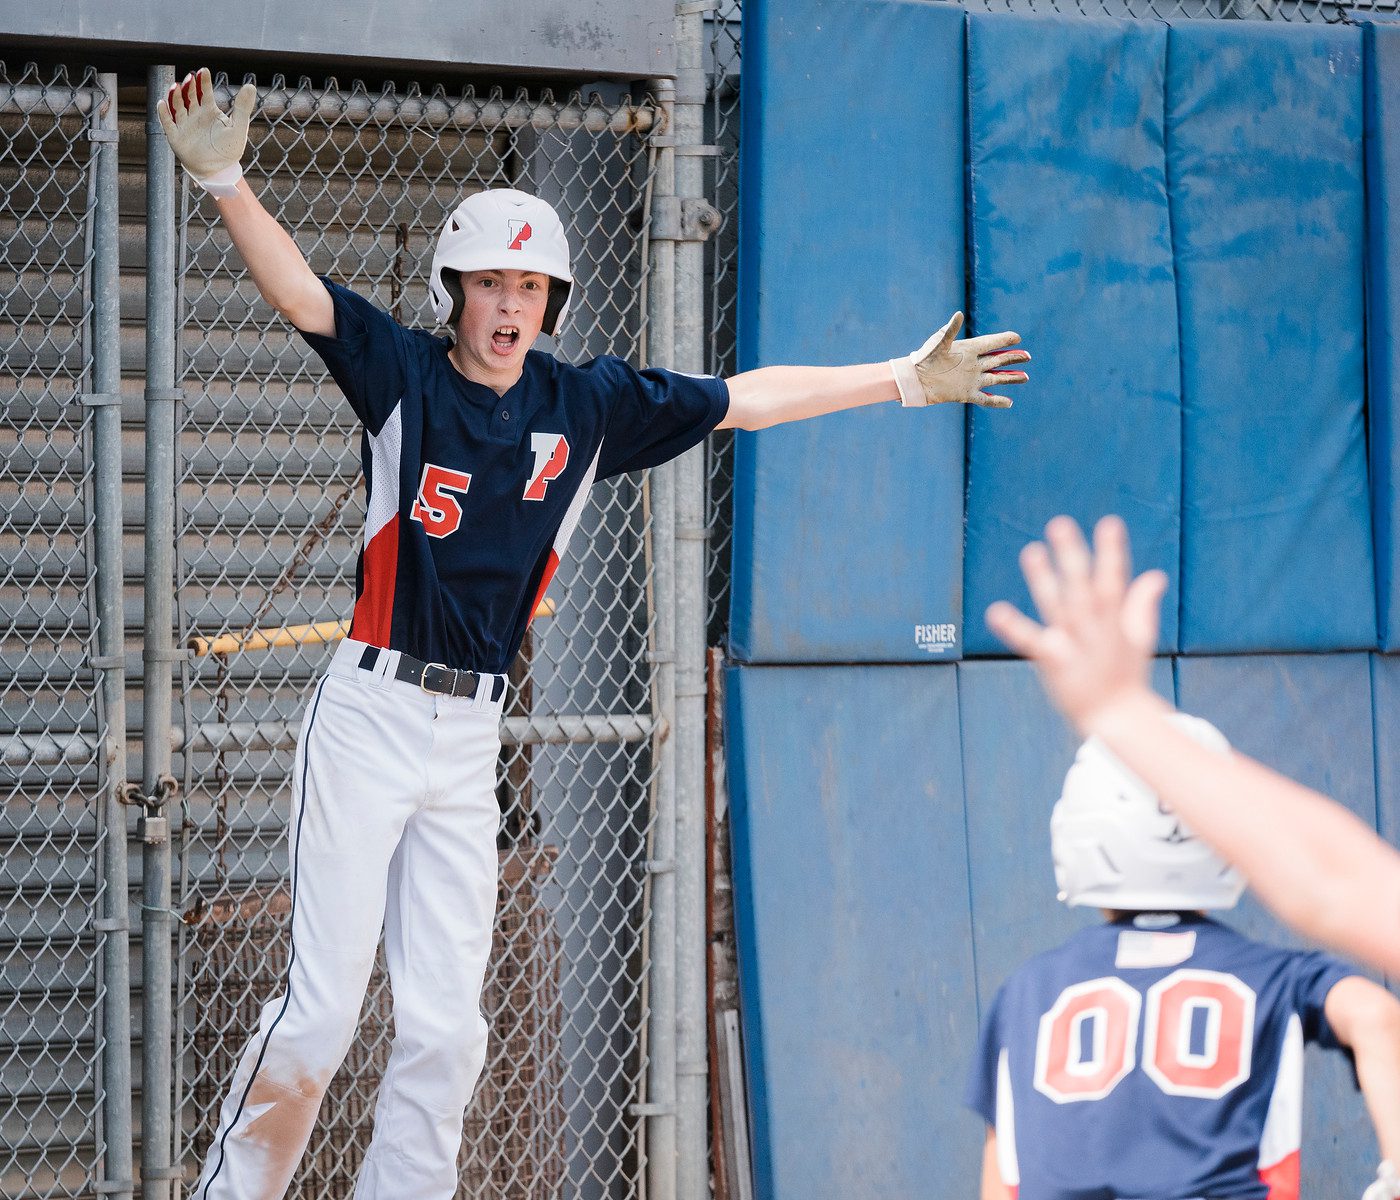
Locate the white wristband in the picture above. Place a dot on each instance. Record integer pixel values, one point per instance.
(223, 183)
(906, 379)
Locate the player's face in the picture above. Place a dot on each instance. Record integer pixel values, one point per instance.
(501, 319)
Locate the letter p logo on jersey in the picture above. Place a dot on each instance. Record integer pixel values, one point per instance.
(520, 233)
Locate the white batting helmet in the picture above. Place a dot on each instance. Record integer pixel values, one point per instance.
(1116, 846)
(501, 230)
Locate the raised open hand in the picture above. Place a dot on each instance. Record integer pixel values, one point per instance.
(1099, 631)
(208, 142)
(946, 371)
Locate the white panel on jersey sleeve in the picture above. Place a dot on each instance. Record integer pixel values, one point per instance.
(384, 451)
(1007, 1162)
(575, 510)
(1283, 1127)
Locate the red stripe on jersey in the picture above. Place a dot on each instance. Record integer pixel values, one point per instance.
(374, 609)
(549, 568)
(1284, 1178)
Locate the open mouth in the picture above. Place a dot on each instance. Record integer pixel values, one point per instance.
(504, 340)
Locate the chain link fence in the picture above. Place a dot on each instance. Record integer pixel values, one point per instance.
(270, 506)
(52, 839)
(722, 55)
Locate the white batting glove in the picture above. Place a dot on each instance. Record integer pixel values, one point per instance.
(1387, 1185)
(943, 371)
(208, 142)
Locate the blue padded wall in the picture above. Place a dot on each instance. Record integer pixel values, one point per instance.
(1308, 716)
(1385, 690)
(850, 891)
(1016, 749)
(1071, 247)
(1264, 127)
(1383, 275)
(848, 530)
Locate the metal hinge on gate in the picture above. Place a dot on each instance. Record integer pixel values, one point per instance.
(652, 1110)
(684, 220)
(174, 1172)
(666, 141)
(102, 135)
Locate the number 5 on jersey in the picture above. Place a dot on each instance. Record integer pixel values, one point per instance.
(437, 508)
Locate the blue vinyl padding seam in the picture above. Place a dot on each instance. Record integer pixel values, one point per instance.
(1180, 354)
(967, 848)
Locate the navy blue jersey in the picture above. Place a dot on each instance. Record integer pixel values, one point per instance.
(1142, 1061)
(471, 496)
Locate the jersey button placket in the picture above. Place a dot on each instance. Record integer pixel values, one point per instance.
(505, 425)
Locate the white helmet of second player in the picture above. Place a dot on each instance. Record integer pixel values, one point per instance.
(1116, 846)
(501, 230)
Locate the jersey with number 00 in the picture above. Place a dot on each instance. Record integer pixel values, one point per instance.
(472, 497)
(1152, 1061)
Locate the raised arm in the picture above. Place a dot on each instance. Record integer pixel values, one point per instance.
(1310, 860)
(941, 371)
(209, 144)
(1366, 1019)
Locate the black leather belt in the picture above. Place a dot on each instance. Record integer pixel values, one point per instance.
(436, 678)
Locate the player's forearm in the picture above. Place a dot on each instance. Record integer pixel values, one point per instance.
(1378, 1072)
(775, 395)
(277, 265)
(992, 1186)
(1310, 860)
(1366, 1019)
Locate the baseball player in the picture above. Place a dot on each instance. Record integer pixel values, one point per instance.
(1310, 860)
(1160, 1054)
(478, 456)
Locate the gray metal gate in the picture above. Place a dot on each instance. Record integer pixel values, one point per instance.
(217, 517)
(269, 502)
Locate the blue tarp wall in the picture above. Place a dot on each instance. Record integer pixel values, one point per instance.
(1194, 227)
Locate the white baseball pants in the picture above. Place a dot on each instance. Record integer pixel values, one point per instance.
(393, 827)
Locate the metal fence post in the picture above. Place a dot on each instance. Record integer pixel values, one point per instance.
(661, 1028)
(114, 922)
(692, 1039)
(157, 782)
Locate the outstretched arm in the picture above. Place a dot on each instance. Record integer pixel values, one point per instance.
(941, 371)
(1366, 1019)
(209, 145)
(1310, 860)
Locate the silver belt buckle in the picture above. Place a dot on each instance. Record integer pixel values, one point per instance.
(423, 681)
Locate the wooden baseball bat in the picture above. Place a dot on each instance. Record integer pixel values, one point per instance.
(292, 635)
